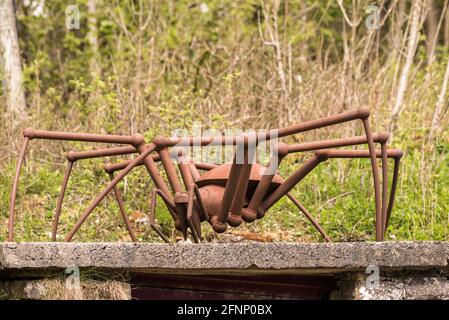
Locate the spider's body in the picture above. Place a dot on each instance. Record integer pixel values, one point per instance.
(211, 185)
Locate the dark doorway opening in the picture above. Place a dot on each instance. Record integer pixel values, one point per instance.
(210, 287)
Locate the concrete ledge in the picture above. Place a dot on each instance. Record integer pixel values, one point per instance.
(405, 270)
(214, 258)
(415, 287)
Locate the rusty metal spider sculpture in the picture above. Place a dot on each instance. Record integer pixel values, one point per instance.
(225, 194)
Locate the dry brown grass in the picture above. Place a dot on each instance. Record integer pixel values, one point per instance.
(56, 289)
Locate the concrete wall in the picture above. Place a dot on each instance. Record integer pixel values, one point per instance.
(389, 270)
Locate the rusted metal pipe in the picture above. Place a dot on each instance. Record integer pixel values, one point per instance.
(219, 222)
(65, 181)
(135, 140)
(393, 189)
(381, 137)
(170, 170)
(265, 183)
(12, 199)
(193, 228)
(375, 170)
(288, 184)
(184, 168)
(121, 205)
(153, 225)
(357, 114)
(249, 153)
(309, 216)
(154, 172)
(384, 156)
(98, 153)
(358, 154)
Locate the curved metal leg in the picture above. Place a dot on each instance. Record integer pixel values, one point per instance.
(392, 191)
(288, 184)
(219, 222)
(12, 199)
(121, 205)
(196, 234)
(153, 225)
(309, 216)
(375, 169)
(383, 151)
(65, 181)
(200, 202)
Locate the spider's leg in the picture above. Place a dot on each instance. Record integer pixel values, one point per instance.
(283, 149)
(394, 184)
(200, 203)
(384, 156)
(252, 213)
(376, 182)
(170, 170)
(219, 222)
(193, 219)
(189, 215)
(121, 205)
(153, 225)
(237, 210)
(194, 171)
(309, 216)
(12, 199)
(65, 181)
(289, 183)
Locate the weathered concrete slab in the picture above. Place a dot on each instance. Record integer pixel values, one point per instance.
(406, 270)
(407, 288)
(396, 286)
(233, 257)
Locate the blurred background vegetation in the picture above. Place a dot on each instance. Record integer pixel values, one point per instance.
(154, 66)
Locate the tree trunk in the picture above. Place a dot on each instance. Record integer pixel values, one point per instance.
(439, 106)
(303, 45)
(413, 36)
(446, 29)
(92, 36)
(431, 30)
(12, 67)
